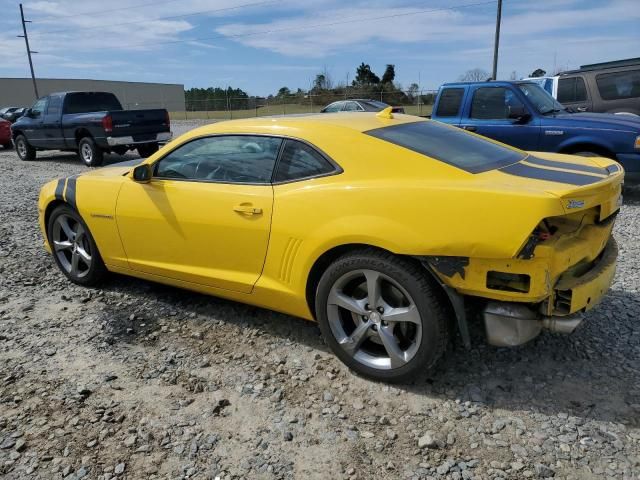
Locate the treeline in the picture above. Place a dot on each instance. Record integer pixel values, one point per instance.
(366, 84)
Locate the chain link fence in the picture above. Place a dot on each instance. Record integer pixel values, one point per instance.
(414, 102)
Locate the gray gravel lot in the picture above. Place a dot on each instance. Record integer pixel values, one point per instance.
(138, 380)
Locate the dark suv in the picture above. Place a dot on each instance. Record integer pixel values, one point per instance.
(611, 87)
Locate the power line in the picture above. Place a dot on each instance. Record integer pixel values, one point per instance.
(305, 27)
(93, 27)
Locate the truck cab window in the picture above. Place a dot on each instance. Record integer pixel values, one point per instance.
(493, 103)
(450, 101)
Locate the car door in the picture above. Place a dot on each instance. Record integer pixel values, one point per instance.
(205, 216)
(51, 124)
(33, 123)
(573, 94)
(489, 114)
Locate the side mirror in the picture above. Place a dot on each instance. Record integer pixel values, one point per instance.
(142, 173)
(28, 113)
(519, 113)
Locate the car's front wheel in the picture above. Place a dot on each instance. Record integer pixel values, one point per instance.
(381, 315)
(74, 248)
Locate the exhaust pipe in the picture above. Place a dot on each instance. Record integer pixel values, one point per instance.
(511, 324)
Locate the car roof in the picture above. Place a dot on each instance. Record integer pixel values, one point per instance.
(278, 124)
(494, 83)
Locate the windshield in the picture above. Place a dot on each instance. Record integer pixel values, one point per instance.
(540, 99)
(450, 145)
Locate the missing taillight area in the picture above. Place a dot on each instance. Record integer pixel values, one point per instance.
(508, 282)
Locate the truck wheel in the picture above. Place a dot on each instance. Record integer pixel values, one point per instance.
(381, 315)
(24, 150)
(89, 152)
(147, 149)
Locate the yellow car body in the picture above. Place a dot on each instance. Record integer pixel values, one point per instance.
(267, 244)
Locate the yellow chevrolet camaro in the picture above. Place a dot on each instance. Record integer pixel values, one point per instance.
(386, 229)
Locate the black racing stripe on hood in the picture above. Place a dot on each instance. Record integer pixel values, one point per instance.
(521, 170)
(569, 166)
(70, 193)
(60, 189)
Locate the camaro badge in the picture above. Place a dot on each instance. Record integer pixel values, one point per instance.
(575, 204)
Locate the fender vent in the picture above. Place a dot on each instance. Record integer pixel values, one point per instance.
(288, 257)
(562, 303)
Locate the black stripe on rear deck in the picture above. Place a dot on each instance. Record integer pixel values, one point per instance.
(569, 166)
(520, 170)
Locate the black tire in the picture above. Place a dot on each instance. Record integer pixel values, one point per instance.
(423, 295)
(24, 150)
(89, 152)
(96, 271)
(119, 150)
(147, 149)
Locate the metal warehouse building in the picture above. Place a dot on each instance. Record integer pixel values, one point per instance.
(18, 92)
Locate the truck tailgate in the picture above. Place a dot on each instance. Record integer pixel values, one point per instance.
(139, 124)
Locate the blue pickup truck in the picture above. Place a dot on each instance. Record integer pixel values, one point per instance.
(522, 114)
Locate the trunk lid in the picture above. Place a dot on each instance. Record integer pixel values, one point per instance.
(580, 183)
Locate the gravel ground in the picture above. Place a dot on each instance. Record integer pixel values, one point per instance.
(138, 380)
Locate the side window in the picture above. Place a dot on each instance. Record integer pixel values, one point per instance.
(39, 107)
(450, 101)
(334, 107)
(55, 104)
(493, 103)
(299, 161)
(614, 86)
(571, 90)
(352, 107)
(225, 159)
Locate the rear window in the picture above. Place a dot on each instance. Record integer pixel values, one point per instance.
(614, 86)
(85, 102)
(449, 145)
(450, 101)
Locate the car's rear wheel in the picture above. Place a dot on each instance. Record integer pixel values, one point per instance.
(147, 149)
(89, 152)
(74, 248)
(24, 150)
(381, 315)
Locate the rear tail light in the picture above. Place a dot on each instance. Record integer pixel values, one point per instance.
(107, 123)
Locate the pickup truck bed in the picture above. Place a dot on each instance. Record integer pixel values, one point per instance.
(91, 123)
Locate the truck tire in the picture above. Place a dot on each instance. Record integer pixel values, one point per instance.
(89, 152)
(25, 151)
(147, 149)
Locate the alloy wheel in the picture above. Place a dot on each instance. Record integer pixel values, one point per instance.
(71, 246)
(87, 153)
(374, 319)
(22, 148)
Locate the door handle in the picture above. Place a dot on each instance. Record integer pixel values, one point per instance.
(469, 128)
(581, 109)
(247, 209)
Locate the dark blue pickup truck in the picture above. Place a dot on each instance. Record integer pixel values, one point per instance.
(90, 123)
(524, 115)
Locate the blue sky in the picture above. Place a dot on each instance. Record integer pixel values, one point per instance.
(260, 46)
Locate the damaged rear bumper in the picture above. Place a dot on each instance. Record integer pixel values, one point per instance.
(512, 323)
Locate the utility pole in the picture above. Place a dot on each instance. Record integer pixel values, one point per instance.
(29, 51)
(496, 41)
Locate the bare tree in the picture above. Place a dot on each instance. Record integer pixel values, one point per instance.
(474, 75)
